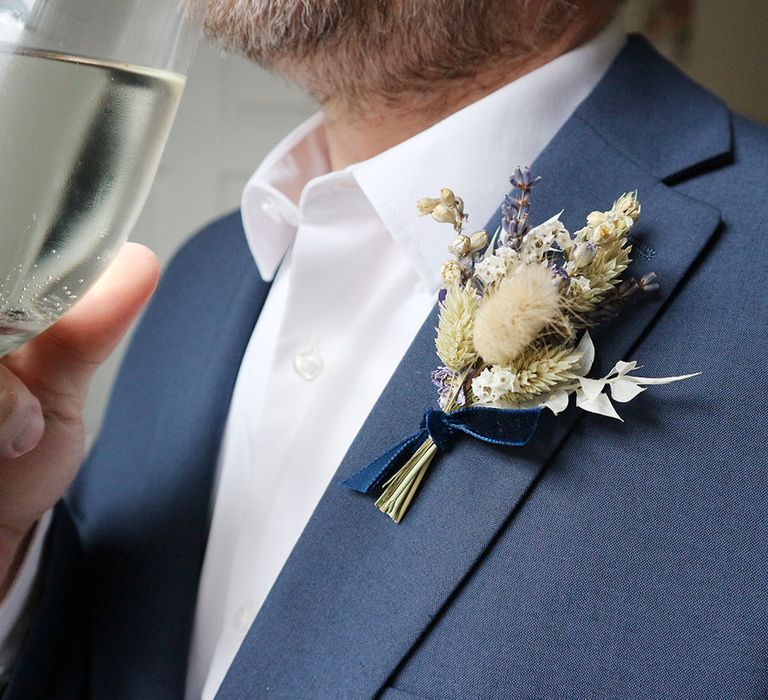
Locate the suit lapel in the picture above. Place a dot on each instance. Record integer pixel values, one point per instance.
(358, 591)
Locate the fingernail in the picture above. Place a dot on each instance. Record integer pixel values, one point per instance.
(30, 434)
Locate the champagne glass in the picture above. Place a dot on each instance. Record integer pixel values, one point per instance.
(88, 93)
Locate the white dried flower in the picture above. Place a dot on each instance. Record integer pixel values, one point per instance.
(491, 269)
(509, 255)
(603, 233)
(492, 384)
(579, 285)
(540, 240)
(451, 273)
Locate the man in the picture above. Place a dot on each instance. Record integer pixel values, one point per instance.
(206, 547)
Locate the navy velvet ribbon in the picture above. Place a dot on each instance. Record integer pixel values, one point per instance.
(496, 426)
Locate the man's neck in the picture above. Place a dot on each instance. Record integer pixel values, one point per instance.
(361, 132)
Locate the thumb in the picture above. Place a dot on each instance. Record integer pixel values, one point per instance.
(64, 357)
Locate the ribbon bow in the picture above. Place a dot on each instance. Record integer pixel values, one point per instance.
(401, 468)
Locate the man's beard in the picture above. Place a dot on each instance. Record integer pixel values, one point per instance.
(352, 50)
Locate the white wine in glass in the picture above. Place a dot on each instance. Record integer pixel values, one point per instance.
(81, 135)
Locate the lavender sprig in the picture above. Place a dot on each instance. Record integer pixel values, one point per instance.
(516, 208)
(445, 380)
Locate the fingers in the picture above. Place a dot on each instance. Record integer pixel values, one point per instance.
(71, 350)
(21, 418)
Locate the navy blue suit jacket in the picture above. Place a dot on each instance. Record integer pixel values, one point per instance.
(604, 560)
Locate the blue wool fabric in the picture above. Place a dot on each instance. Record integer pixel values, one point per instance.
(601, 560)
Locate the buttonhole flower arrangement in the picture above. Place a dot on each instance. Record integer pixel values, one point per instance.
(515, 314)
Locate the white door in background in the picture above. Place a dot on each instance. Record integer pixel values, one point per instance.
(231, 115)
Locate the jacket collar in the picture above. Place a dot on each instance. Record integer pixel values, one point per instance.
(358, 591)
(657, 117)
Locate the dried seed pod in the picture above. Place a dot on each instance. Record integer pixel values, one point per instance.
(448, 197)
(426, 205)
(461, 246)
(583, 253)
(444, 214)
(478, 241)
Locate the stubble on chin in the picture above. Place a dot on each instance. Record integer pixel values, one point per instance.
(347, 50)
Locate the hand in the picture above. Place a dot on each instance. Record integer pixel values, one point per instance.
(43, 387)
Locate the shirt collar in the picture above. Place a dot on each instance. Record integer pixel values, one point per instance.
(472, 151)
(270, 201)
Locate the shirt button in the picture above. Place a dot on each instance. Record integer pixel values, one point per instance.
(308, 365)
(243, 618)
(269, 207)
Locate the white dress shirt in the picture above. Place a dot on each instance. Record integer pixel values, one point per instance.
(358, 278)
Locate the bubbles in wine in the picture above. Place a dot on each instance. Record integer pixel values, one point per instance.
(80, 141)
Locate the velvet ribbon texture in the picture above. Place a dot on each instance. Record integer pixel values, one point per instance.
(496, 426)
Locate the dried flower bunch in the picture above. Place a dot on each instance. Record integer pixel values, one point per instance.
(515, 312)
(515, 308)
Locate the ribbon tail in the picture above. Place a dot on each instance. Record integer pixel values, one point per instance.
(378, 471)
